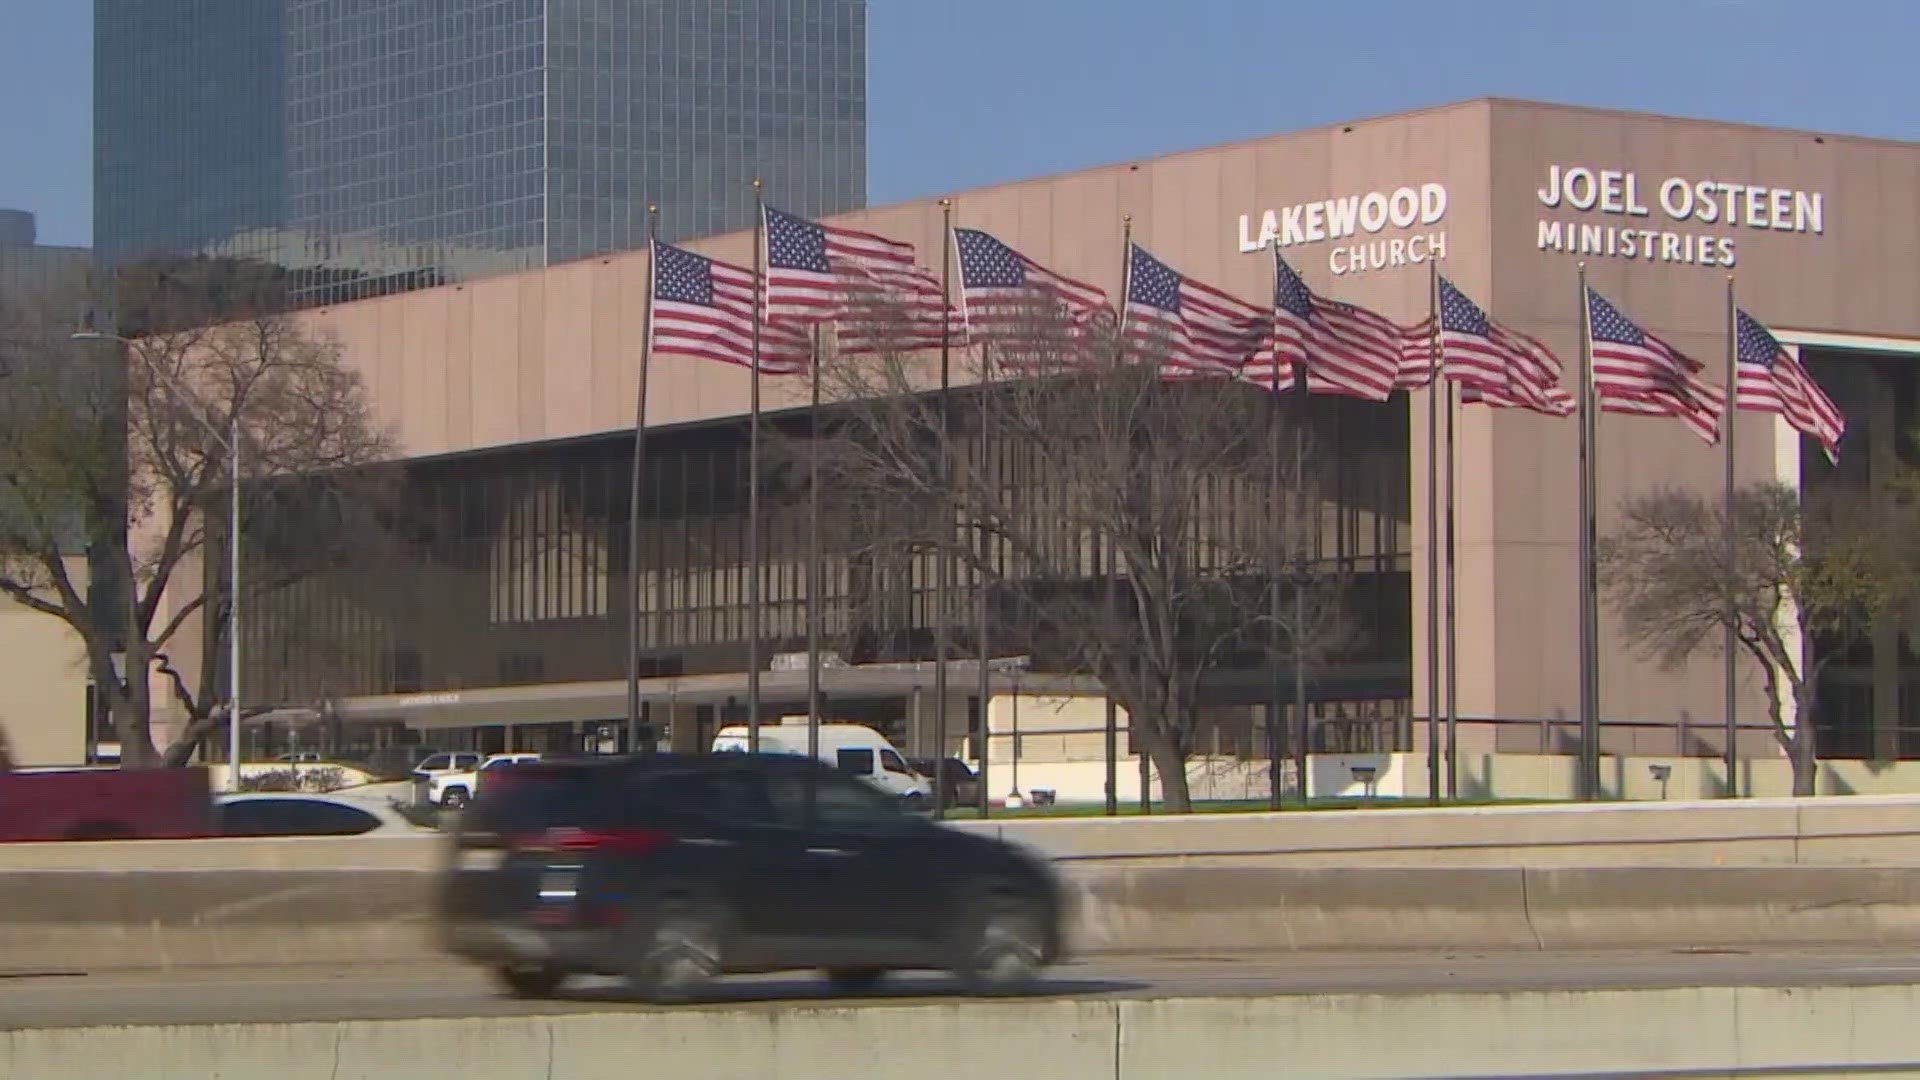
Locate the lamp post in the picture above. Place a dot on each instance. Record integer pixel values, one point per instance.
(231, 443)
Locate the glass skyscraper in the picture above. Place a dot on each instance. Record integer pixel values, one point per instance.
(373, 145)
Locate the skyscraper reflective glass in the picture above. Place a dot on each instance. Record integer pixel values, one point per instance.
(369, 146)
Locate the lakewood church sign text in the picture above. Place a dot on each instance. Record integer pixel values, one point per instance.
(1369, 230)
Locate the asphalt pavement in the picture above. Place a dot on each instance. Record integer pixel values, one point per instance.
(279, 995)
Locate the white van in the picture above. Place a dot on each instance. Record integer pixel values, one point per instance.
(854, 749)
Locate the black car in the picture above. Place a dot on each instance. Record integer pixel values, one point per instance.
(671, 870)
(959, 786)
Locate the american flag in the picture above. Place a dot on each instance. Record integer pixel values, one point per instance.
(1768, 379)
(1361, 353)
(1194, 328)
(1635, 372)
(872, 288)
(1002, 293)
(1492, 364)
(1344, 348)
(704, 308)
(1278, 363)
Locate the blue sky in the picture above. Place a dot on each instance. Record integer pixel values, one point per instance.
(970, 92)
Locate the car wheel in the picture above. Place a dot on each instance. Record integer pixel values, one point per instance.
(529, 980)
(1003, 946)
(854, 980)
(673, 952)
(454, 799)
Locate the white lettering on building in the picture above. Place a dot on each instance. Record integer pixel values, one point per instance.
(1358, 217)
(1685, 202)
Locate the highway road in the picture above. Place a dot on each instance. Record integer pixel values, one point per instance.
(29, 1000)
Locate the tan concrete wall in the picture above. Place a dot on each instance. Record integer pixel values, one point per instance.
(555, 353)
(1864, 830)
(1705, 1031)
(1518, 526)
(92, 921)
(43, 683)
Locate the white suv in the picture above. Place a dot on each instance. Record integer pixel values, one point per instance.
(455, 789)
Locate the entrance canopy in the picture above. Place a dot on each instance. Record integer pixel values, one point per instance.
(601, 701)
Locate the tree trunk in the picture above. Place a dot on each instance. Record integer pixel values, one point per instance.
(1805, 768)
(1803, 753)
(130, 710)
(1175, 795)
(132, 725)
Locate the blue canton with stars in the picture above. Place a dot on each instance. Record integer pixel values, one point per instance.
(986, 263)
(1290, 294)
(1609, 325)
(1459, 314)
(1152, 282)
(1753, 344)
(795, 243)
(682, 277)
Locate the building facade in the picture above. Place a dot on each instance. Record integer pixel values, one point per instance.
(372, 146)
(513, 397)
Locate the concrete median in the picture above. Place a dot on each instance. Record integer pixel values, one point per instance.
(1730, 1031)
(1855, 831)
(71, 920)
(105, 921)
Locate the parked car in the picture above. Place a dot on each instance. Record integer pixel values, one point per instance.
(105, 804)
(959, 786)
(435, 764)
(453, 789)
(672, 870)
(298, 814)
(854, 749)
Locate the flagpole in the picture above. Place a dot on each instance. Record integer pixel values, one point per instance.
(942, 585)
(1300, 725)
(1452, 614)
(634, 482)
(813, 555)
(1732, 637)
(753, 477)
(1110, 560)
(1112, 563)
(1433, 532)
(981, 599)
(1589, 630)
(1276, 522)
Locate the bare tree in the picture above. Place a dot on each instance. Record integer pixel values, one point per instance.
(116, 451)
(1126, 523)
(1799, 574)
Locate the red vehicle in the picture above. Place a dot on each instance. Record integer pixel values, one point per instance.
(105, 804)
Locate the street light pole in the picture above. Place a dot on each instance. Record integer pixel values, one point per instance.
(230, 442)
(233, 601)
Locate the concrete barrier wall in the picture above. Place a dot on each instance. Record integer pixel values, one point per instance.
(1736, 1031)
(1786, 871)
(1860, 830)
(1867, 830)
(79, 921)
